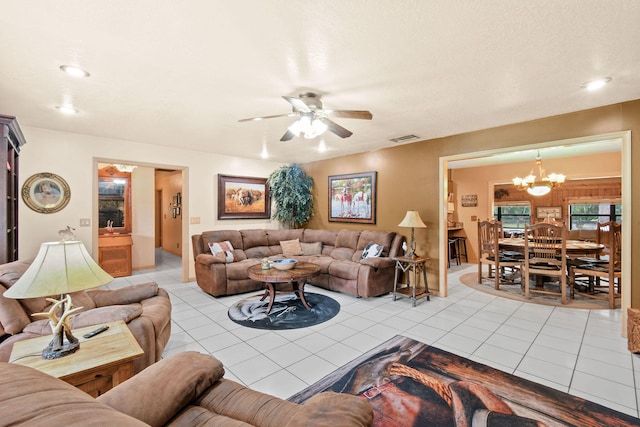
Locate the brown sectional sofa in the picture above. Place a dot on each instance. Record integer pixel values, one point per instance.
(341, 266)
(187, 389)
(145, 308)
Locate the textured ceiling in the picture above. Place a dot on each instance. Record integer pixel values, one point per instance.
(183, 73)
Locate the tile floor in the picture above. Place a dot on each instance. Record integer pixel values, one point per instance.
(576, 351)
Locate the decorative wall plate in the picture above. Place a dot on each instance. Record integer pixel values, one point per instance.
(46, 193)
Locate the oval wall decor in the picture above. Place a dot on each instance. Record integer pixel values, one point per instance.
(46, 193)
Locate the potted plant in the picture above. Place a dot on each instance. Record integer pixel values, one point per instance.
(290, 188)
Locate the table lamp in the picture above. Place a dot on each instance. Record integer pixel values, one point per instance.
(59, 268)
(412, 219)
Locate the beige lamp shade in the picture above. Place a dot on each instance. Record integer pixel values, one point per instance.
(59, 268)
(412, 219)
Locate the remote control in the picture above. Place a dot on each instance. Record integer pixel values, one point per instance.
(95, 332)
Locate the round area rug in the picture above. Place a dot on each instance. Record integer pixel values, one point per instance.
(287, 311)
(515, 292)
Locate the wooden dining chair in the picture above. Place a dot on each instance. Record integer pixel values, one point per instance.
(501, 268)
(545, 255)
(607, 267)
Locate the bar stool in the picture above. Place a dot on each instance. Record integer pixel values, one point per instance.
(453, 252)
(461, 248)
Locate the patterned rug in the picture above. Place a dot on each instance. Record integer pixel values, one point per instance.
(515, 292)
(412, 384)
(287, 311)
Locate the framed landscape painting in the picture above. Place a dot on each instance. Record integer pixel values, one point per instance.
(243, 197)
(352, 198)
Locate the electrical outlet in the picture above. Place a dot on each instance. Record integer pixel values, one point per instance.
(474, 218)
(85, 222)
(194, 220)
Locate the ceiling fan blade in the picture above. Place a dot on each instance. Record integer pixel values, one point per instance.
(350, 114)
(267, 117)
(287, 136)
(298, 104)
(336, 128)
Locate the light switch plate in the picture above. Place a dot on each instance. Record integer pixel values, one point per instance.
(194, 220)
(85, 222)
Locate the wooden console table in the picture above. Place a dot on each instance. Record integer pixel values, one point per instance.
(412, 266)
(101, 363)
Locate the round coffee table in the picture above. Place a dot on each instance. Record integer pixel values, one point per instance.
(296, 276)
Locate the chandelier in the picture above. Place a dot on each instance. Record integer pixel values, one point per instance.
(125, 168)
(540, 184)
(308, 126)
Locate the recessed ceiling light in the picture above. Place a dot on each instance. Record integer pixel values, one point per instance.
(67, 109)
(596, 84)
(74, 71)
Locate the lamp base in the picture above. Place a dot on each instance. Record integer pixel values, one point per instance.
(54, 351)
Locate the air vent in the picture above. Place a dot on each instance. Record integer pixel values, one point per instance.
(403, 138)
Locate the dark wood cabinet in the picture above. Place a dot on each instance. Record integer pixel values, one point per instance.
(12, 140)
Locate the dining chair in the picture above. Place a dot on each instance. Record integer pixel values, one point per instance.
(606, 268)
(545, 255)
(502, 268)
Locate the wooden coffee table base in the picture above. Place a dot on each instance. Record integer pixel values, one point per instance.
(298, 289)
(296, 277)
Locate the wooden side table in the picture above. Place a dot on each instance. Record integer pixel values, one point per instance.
(101, 363)
(411, 266)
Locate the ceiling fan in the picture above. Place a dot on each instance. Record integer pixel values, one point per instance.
(313, 119)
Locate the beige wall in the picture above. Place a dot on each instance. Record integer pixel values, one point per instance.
(408, 175)
(75, 157)
(142, 233)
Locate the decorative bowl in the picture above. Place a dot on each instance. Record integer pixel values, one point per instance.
(284, 264)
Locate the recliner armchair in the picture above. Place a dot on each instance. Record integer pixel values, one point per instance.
(187, 389)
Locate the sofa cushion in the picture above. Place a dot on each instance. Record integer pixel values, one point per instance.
(311, 248)
(348, 239)
(274, 237)
(223, 250)
(344, 269)
(384, 238)
(233, 236)
(327, 237)
(291, 247)
(126, 295)
(12, 316)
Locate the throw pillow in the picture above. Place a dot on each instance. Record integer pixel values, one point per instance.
(291, 247)
(372, 250)
(223, 250)
(311, 248)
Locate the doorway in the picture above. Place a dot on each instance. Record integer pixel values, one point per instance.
(625, 141)
(150, 202)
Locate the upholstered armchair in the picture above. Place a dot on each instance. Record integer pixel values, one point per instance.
(187, 389)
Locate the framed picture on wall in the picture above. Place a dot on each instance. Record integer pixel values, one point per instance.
(554, 212)
(46, 193)
(352, 198)
(243, 197)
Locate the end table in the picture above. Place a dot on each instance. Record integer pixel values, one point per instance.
(412, 266)
(101, 363)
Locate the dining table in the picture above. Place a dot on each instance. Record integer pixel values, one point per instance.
(575, 248)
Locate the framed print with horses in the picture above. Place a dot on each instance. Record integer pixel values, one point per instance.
(352, 198)
(243, 197)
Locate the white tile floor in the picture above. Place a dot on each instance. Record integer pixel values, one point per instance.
(576, 351)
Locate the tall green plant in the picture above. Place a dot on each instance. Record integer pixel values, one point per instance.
(290, 189)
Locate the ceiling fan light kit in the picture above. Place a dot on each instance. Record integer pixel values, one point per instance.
(313, 119)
